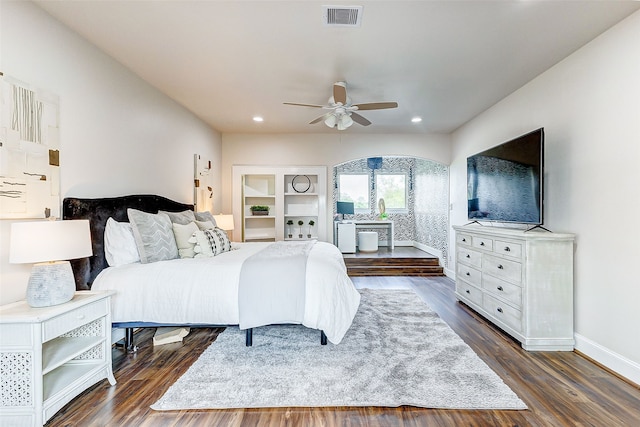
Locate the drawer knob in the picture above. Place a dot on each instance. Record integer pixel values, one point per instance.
(467, 273)
(499, 309)
(507, 249)
(481, 243)
(468, 291)
(468, 256)
(500, 288)
(500, 267)
(464, 240)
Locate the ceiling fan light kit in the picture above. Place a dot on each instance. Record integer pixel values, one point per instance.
(343, 112)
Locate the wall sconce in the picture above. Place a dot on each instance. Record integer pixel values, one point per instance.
(49, 245)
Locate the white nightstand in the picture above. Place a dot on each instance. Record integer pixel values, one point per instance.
(50, 355)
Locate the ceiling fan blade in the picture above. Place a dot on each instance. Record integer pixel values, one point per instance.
(319, 119)
(376, 105)
(304, 105)
(360, 120)
(340, 93)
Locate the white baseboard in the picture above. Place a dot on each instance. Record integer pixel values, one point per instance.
(612, 360)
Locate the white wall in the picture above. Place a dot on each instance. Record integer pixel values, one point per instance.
(118, 134)
(589, 105)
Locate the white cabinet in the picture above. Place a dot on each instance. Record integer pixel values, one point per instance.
(520, 281)
(50, 355)
(296, 197)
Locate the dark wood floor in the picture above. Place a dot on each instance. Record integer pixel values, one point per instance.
(560, 389)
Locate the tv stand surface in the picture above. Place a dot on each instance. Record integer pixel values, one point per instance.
(520, 281)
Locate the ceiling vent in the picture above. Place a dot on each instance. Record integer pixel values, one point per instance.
(342, 16)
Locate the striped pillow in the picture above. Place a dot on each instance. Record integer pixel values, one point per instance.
(210, 242)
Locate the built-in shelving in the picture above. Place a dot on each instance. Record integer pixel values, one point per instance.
(291, 192)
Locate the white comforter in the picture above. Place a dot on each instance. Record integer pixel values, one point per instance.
(205, 290)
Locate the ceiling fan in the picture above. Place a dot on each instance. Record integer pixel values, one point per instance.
(342, 112)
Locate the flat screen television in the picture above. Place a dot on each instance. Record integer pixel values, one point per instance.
(504, 183)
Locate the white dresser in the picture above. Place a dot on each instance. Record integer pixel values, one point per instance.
(50, 355)
(520, 281)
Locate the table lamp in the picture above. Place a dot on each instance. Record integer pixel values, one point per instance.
(224, 222)
(49, 245)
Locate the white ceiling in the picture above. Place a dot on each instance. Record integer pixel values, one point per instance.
(445, 61)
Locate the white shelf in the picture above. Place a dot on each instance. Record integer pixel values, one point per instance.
(62, 349)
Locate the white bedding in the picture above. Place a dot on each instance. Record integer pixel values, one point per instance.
(205, 290)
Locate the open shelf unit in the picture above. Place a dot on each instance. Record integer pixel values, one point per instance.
(293, 193)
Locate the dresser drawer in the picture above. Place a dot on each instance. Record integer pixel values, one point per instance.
(503, 268)
(469, 292)
(511, 249)
(483, 243)
(503, 312)
(469, 257)
(463, 239)
(469, 274)
(503, 290)
(73, 319)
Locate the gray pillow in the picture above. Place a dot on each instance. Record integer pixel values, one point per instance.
(205, 216)
(154, 236)
(182, 218)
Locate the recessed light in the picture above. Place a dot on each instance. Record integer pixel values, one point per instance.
(258, 119)
(416, 120)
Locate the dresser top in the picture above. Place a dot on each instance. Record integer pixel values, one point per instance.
(514, 233)
(21, 312)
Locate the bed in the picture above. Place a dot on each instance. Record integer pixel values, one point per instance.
(207, 291)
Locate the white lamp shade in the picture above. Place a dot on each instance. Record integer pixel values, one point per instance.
(42, 241)
(331, 120)
(224, 222)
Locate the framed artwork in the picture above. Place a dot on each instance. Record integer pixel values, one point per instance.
(29, 151)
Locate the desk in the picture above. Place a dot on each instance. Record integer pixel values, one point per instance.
(367, 225)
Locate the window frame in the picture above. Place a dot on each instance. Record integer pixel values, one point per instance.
(406, 193)
(357, 210)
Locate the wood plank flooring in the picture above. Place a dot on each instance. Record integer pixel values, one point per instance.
(560, 389)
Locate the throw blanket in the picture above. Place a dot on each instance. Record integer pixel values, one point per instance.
(272, 285)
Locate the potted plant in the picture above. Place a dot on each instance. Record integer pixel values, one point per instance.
(289, 224)
(311, 222)
(259, 210)
(300, 223)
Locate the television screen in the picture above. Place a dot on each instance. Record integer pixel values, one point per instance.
(504, 183)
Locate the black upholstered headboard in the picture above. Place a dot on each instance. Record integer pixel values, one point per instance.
(98, 211)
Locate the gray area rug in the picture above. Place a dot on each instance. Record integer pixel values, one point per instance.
(397, 352)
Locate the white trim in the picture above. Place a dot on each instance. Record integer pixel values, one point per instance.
(612, 360)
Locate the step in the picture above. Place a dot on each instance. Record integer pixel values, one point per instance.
(363, 262)
(404, 270)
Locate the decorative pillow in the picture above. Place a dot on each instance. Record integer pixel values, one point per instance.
(183, 233)
(205, 225)
(119, 244)
(210, 242)
(184, 217)
(205, 216)
(154, 236)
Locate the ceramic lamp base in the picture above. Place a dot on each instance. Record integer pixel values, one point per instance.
(50, 283)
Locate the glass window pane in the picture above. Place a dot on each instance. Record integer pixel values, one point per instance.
(393, 189)
(354, 188)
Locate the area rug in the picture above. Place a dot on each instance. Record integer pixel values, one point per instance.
(397, 352)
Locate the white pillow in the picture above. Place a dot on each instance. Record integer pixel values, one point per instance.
(119, 244)
(183, 234)
(210, 243)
